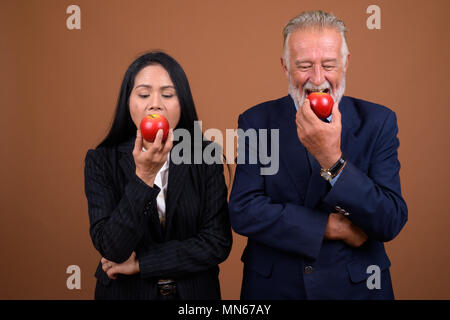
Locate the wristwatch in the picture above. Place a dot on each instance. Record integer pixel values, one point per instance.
(329, 174)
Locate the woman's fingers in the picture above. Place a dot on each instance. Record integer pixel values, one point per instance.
(160, 147)
(110, 268)
(138, 142)
(158, 144)
(112, 272)
(169, 142)
(106, 264)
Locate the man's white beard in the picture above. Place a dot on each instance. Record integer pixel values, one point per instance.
(300, 99)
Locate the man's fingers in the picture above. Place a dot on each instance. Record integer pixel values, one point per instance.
(336, 118)
(308, 114)
(300, 116)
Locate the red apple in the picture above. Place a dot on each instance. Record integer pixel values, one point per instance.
(151, 124)
(321, 103)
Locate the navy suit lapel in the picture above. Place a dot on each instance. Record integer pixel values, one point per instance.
(292, 152)
(318, 187)
(350, 123)
(301, 165)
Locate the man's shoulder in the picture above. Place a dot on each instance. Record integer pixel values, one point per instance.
(266, 108)
(363, 106)
(359, 112)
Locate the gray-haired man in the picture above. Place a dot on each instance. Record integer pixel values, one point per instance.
(316, 228)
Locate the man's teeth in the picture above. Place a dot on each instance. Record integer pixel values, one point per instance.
(326, 90)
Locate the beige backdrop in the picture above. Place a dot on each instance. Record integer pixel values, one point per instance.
(59, 87)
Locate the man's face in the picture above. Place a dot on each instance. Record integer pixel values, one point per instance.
(315, 64)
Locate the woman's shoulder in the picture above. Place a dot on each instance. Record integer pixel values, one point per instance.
(98, 154)
(110, 151)
(103, 155)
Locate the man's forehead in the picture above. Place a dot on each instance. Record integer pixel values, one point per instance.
(314, 38)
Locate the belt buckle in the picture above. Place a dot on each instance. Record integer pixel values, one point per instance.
(166, 287)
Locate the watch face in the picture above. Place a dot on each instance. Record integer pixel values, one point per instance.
(326, 175)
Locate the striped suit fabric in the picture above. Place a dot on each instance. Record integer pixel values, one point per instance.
(124, 218)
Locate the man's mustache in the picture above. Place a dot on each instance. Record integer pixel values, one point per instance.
(299, 96)
(325, 87)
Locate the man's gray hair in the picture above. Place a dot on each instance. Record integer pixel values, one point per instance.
(315, 19)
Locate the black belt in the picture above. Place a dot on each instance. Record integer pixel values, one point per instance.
(167, 287)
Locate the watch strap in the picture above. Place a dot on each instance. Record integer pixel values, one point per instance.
(335, 168)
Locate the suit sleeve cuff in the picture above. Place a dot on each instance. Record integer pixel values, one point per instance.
(141, 195)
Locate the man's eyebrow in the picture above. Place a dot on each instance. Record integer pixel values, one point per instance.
(297, 62)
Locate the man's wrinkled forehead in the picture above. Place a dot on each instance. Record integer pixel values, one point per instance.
(324, 40)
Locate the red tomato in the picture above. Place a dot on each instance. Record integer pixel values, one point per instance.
(151, 124)
(321, 103)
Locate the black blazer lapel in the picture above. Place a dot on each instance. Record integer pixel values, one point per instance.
(175, 185)
(128, 166)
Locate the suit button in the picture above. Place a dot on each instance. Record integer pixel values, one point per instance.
(309, 269)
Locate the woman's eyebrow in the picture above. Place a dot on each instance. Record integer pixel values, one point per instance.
(143, 85)
(149, 86)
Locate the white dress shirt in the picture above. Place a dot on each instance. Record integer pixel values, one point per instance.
(161, 180)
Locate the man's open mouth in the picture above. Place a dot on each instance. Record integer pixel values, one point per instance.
(309, 91)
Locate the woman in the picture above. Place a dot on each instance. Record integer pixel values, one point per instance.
(162, 229)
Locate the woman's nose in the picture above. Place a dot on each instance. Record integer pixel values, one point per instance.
(155, 103)
(154, 107)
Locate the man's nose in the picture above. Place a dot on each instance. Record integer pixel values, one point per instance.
(317, 76)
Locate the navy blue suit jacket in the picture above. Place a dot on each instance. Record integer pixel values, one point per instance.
(285, 215)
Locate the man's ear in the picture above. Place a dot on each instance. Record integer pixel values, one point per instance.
(284, 66)
(346, 62)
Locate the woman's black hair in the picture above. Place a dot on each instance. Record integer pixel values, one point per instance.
(123, 127)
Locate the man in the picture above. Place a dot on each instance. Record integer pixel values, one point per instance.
(316, 228)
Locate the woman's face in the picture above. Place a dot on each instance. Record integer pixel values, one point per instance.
(154, 92)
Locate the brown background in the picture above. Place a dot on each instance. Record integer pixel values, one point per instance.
(59, 87)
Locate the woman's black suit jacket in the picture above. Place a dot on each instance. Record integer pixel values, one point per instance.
(124, 218)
